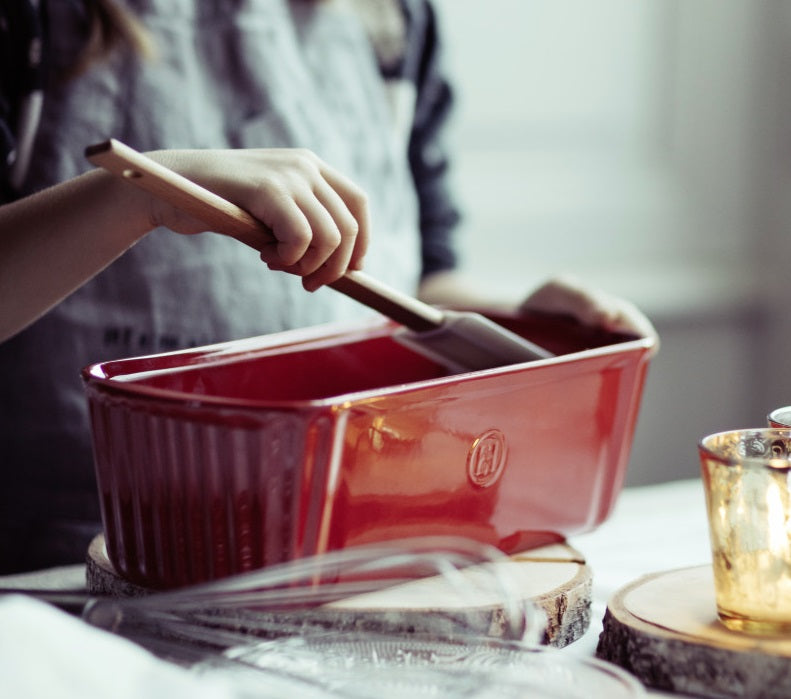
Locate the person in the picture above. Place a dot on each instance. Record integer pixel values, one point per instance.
(323, 119)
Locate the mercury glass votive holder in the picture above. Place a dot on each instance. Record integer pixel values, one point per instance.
(748, 498)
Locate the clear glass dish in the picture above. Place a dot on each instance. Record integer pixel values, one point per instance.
(279, 632)
(370, 666)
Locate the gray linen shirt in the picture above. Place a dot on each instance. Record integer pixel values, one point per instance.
(244, 73)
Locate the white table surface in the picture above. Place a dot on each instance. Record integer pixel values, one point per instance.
(652, 529)
(44, 652)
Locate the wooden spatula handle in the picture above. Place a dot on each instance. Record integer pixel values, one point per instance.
(164, 183)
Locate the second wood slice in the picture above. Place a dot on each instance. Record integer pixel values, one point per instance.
(663, 628)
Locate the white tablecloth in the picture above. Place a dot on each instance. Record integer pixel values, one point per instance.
(653, 528)
(47, 653)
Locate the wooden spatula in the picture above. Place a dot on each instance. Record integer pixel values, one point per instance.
(461, 341)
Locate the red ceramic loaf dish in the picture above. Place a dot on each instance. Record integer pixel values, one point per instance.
(231, 457)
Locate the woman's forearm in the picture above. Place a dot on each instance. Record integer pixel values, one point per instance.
(54, 241)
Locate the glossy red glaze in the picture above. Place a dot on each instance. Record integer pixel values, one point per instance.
(227, 458)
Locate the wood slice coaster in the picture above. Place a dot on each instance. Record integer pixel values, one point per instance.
(555, 578)
(664, 629)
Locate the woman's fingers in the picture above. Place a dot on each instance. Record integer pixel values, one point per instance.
(292, 230)
(320, 220)
(355, 204)
(306, 236)
(590, 306)
(341, 241)
(319, 217)
(316, 236)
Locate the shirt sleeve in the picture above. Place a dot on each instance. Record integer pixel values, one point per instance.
(428, 151)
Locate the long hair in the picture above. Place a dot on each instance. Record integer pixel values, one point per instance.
(112, 26)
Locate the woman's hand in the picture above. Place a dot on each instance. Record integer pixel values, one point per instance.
(590, 306)
(57, 239)
(319, 217)
(562, 295)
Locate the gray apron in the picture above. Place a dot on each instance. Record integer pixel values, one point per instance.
(252, 73)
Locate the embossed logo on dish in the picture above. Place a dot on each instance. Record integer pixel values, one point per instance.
(486, 459)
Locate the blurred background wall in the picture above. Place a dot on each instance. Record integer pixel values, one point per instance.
(645, 147)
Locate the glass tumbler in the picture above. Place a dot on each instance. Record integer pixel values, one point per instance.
(748, 498)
